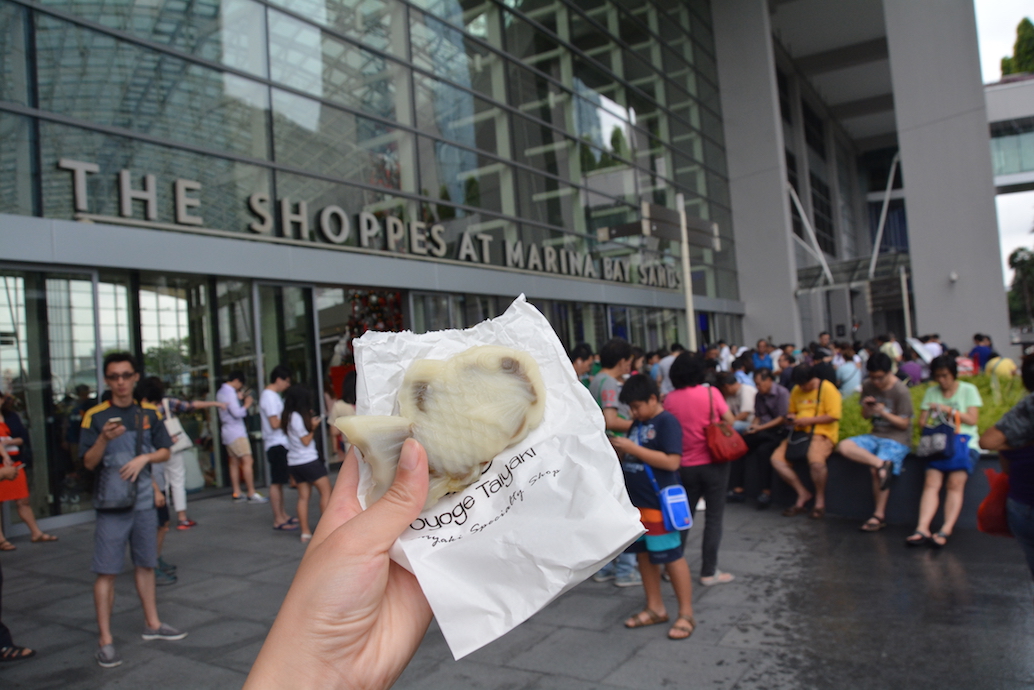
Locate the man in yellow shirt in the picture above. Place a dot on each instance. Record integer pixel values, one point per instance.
(814, 408)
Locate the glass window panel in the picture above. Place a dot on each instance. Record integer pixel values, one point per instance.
(377, 23)
(447, 53)
(451, 113)
(13, 73)
(689, 174)
(310, 60)
(224, 184)
(544, 148)
(532, 46)
(479, 20)
(539, 97)
(94, 77)
(231, 32)
(547, 200)
(711, 125)
(16, 165)
(715, 157)
(465, 177)
(314, 136)
(593, 83)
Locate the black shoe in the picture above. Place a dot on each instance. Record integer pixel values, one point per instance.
(735, 497)
(764, 501)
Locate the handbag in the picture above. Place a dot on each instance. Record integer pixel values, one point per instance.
(724, 442)
(112, 493)
(180, 440)
(674, 504)
(799, 442)
(937, 442)
(992, 517)
(15, 489)
(959, 460)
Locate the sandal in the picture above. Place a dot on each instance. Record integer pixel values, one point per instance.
(683, 632)
(286, 526)
(794, 511)
(887, 474)
(917, 538)
(43, 537)
(7, 546)
(936, 544)
(16, 653)
(873, 524)
(306, 538)
(817, 513)
(652, 618)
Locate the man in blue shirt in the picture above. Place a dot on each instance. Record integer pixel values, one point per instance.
(762, 355)
(982, 351)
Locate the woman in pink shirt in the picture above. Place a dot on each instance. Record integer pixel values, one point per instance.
(691, 402)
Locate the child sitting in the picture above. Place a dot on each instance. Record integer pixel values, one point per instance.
(655, 439)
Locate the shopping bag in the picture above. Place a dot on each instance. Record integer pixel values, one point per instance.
(724, 442)
(991, 515)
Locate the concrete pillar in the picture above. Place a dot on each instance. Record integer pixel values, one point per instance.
(946, 167)
(757, 169)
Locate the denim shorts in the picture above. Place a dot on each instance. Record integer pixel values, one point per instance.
(662, 548)
(114, 530)
(883, 448)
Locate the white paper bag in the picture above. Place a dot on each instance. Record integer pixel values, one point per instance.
(547, 513)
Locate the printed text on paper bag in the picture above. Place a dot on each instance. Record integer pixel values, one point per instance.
(460, 513)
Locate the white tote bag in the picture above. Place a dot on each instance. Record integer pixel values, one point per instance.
(180, 440)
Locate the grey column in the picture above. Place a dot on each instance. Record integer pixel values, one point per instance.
(946, 170)
(757, 169)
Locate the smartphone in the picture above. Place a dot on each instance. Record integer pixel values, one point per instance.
(117, 420)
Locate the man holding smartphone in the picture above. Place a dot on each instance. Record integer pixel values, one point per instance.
(112, 431)
(887, 402)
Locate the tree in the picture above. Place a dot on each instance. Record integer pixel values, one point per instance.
(1022, 59)
(1021, 292)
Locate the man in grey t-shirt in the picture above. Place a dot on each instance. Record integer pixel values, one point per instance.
(664, 368)
(888, 404)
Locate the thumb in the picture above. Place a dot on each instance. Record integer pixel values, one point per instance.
(380, 525)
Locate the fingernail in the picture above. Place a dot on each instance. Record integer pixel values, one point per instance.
(407, 459)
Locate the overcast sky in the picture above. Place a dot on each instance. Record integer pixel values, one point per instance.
(996, 28)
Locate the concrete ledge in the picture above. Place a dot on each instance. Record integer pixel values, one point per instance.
(849, 490)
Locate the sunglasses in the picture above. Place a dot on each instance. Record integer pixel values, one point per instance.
(124, 376)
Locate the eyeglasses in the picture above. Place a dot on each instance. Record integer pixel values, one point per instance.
(124, 376)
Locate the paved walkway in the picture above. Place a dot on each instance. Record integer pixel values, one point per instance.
(815, 605)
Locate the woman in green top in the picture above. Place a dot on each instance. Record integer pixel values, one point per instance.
(949, 396)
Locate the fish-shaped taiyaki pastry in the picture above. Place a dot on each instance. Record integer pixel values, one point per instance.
(464, 410)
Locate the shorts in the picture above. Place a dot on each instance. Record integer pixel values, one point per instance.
(239, 447)
(310, 472)
(661, 548)
(163, 515)
(277, 457)
(819, 450)
(883, 448)
(112, 531)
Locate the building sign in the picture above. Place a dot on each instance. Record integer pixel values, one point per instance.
(383, 233)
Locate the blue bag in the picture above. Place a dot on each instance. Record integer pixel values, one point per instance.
(674, 504)
(938, 442)
(961, 460)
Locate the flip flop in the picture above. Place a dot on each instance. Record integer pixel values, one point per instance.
(794, 511)
(7, 546)
(680, 629)
(43, 537)
(652, 618)
(817, 513)
(912, 541)
(306, 538)
(873, 524)
(16, 653)
(293, 520)
(937, 545)
(286, 526)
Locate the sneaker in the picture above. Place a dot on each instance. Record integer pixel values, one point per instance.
(604, 575)
(631, 580)
(239, 498)
(163, 578)
(764, 501)
(165, 567)
(257, 498)
(107, 657)
(719, 578)
(164, 632)
(185, 524)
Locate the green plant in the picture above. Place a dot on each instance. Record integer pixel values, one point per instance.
(853, 424)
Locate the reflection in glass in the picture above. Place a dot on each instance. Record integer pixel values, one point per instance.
(14, 74)
(465, 177)
(447, 53)
(16, 165)
(377, 23)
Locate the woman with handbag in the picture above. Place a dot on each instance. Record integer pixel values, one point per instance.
(697, 407)
(1013, 437)
(14, 439)
(960, 402)
(815, 408)
(152, 390)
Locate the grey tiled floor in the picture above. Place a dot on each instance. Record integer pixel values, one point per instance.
(815, 605)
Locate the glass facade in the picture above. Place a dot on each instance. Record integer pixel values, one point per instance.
(530, 122)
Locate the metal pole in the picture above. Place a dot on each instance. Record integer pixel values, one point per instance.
(904, 301)
(883, 215)
(687, 282)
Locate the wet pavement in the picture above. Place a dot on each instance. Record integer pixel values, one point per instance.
(814, 605)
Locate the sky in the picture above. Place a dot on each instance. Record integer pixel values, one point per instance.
(996, 31)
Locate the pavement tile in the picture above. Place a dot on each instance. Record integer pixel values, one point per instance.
(685, 666)
(580, 653)
(470, 675)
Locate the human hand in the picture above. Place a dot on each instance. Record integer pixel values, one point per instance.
(131, 470)
(221, 405)
(352, 618)
(112, 430)
(791, 417)
(159, 498)
(8, 472)
(621, 444)
(247, 401)
(315, 421)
